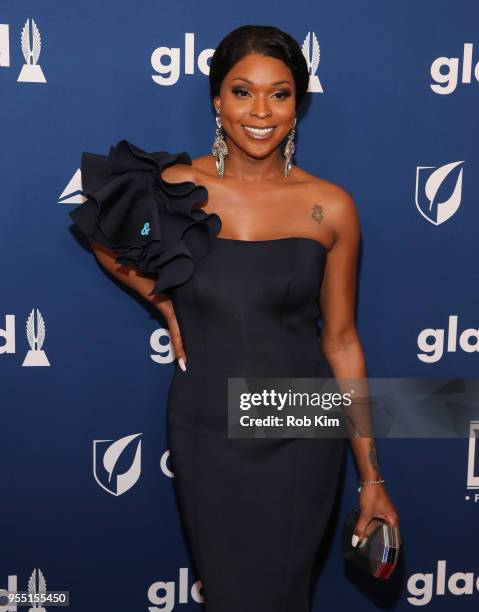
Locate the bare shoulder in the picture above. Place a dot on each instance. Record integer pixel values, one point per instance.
(178, 173)
(333, 202)
(332, 194)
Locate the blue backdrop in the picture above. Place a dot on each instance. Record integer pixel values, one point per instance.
(395, 124)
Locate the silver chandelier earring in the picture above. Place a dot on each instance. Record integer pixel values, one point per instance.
(289, 150)
(219, 148)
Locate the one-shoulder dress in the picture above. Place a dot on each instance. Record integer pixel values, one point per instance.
(254, 511)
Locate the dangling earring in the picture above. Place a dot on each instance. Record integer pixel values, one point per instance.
(289, 150)
(219, 148)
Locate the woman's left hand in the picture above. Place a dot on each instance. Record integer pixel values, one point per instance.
(374, 501)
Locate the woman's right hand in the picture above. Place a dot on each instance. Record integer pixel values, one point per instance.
(143, 284)
(167, 310)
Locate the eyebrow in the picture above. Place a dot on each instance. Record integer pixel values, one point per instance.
(251, 82)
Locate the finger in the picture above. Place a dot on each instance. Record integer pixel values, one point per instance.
(394, 520)
(177, 342)
(359, 531)
(390, 517)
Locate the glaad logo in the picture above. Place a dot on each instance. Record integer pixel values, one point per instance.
(311, 53)
(164, 466)
(446, 80)
(36, 584)
(164, 353)
(4, 46)
(11, 588)
(428, 184)
(8, 334)
(31, 71)
(433, 351)
(170, 72)
(163, 594)
(36, 356)
(473, 460)
(35, 587)
(110, 456)
(73, 192)
(421, 586)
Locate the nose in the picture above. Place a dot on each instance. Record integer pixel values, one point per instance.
(260, 107)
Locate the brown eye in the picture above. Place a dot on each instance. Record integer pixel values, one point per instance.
(285, 93)
(239, 90)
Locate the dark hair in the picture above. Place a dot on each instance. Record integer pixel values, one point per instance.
(265, 40)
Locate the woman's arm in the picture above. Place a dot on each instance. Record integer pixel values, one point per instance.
(341, 345)
(143, 285)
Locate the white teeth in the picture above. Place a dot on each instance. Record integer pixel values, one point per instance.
(260, 131)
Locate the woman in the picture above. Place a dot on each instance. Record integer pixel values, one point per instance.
(241, 252)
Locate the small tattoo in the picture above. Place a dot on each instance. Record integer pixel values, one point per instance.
(317, 213)
(373, 458)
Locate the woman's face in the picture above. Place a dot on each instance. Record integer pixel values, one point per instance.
(258, 92)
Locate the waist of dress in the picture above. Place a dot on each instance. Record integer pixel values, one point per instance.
(246, 358)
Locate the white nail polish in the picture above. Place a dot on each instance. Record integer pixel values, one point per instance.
(354, 540)
(182, 364)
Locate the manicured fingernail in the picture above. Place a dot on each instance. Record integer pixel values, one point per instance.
(354, 540)
(182, 364)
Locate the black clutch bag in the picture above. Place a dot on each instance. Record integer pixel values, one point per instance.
(377, 553)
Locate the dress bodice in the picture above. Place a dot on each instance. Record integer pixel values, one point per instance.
(256, 302)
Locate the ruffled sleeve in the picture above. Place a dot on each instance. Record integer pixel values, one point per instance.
(144, 219)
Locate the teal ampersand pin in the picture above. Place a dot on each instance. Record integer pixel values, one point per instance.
(145, 229)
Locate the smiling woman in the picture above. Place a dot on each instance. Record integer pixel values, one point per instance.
(243, 251)
(256, 94)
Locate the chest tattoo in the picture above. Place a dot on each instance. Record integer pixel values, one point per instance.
(317, 213)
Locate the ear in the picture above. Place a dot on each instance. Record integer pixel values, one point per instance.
(217, 102)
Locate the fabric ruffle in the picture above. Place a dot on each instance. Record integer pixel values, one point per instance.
(145, 220)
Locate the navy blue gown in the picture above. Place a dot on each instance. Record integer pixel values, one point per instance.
(254, 511)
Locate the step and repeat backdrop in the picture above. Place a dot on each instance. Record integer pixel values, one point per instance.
(88, 504)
